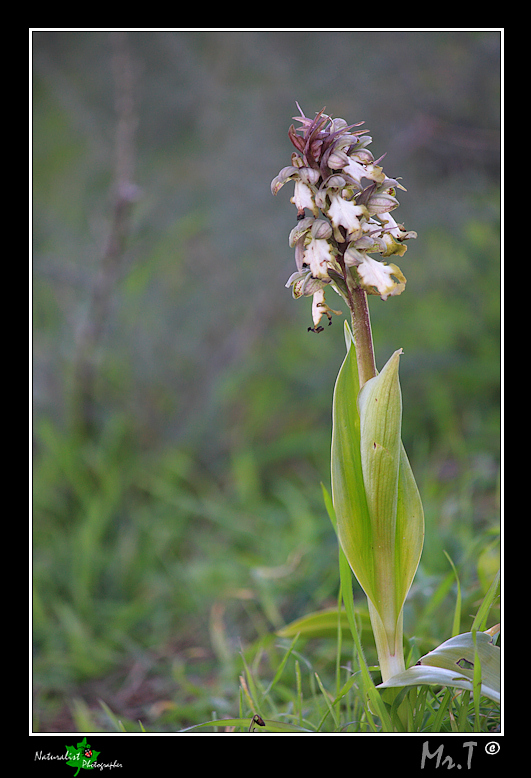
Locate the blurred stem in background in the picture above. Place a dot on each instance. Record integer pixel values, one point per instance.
(124, 192)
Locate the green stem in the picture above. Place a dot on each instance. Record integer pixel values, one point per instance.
(361, 329)
(390, 654)
(361, 322)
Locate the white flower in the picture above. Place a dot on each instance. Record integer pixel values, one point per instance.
(343, 200)
(345, 213)
(389, 224)
(392, 236)
(356, 171)
(303, 197)
(376, 275)
(320, 308)
(318, 254)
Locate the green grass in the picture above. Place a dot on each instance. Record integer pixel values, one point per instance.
(160, 590)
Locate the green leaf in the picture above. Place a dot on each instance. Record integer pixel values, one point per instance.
(457, 610)
(248, 724)
(322, 624)
(348, 490)
(455, 663)
(480, 619)
(395, 507)
(380, 409)
(409, 528)
(316, 625)
(82, 756)
(380, 521)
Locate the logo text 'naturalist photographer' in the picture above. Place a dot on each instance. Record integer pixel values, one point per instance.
(80, 757)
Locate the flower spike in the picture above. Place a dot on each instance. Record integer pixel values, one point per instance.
(350, 198)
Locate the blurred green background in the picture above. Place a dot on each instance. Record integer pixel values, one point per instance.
(181, 409)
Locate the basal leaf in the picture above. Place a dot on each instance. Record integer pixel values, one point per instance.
(348, 491)
(380, 522)
(453, 664)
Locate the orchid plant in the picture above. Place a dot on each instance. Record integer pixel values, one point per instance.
(344, 202)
